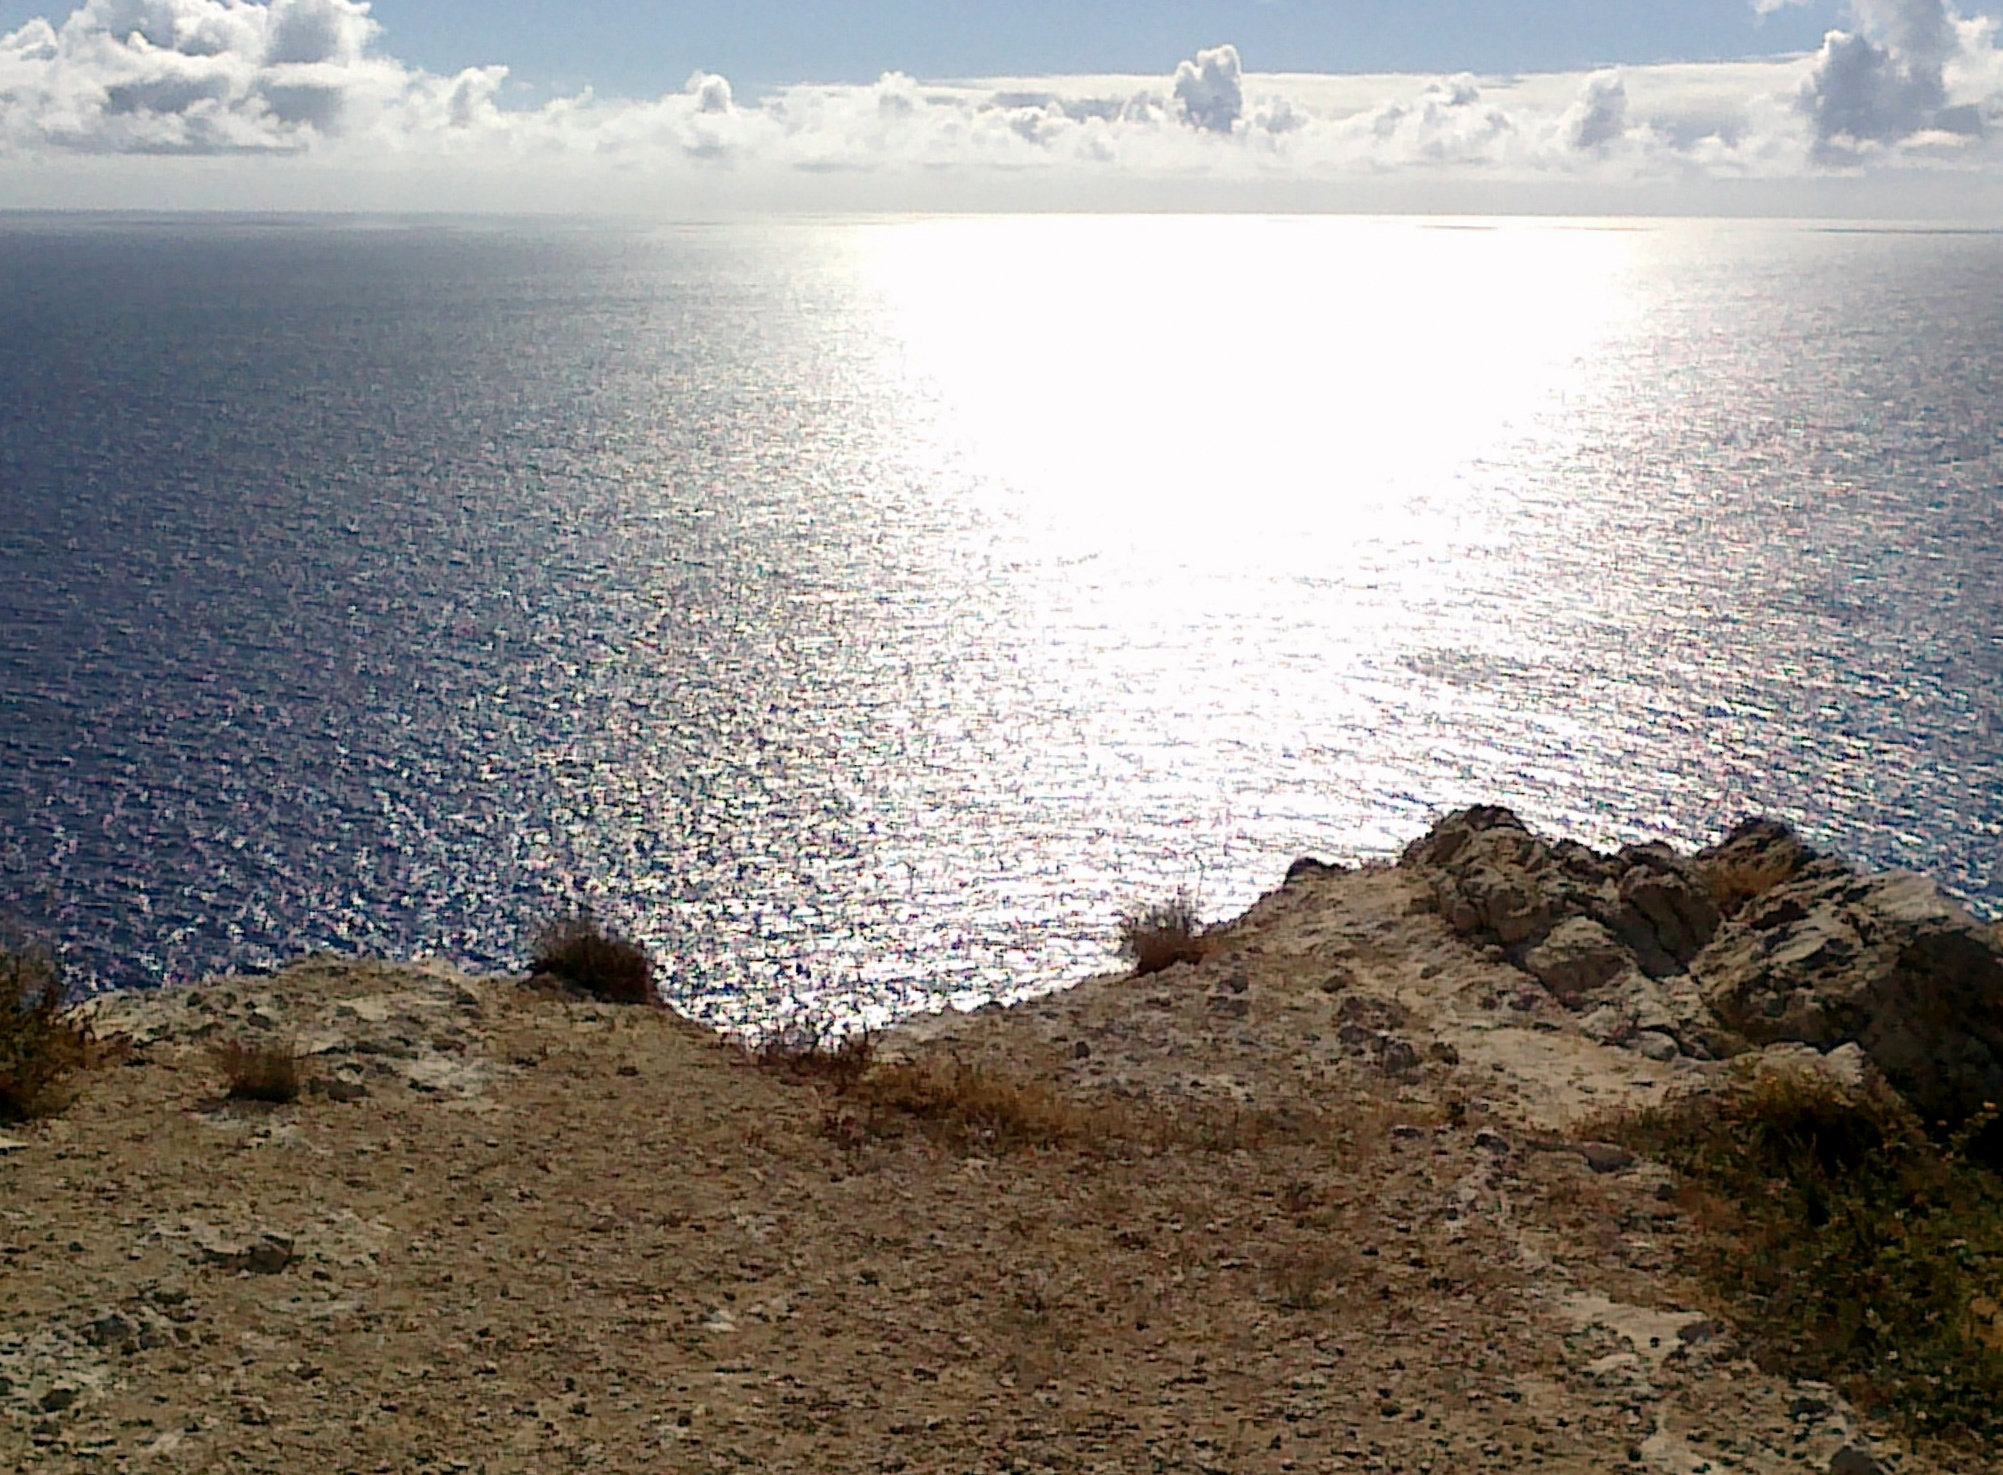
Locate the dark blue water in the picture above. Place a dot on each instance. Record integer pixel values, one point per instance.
(385, 589)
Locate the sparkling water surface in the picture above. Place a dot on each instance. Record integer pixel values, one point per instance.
(861, 613)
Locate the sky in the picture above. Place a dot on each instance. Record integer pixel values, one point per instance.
(1870, 108)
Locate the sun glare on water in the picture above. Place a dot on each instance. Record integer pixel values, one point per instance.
(1311, 379)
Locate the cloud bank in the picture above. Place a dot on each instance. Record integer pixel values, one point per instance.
(137, 100)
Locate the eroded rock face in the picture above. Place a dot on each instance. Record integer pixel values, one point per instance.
(1610, 936)
(1663, 901)
(1499, 883)
(1886, 961)
(1755, 941)
(1577, 958)
(1495, 880)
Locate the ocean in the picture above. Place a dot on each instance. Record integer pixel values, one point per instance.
(862, 613)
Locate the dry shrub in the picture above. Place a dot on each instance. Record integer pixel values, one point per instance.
(41, 1043)
(1849, 1246)
(1214, 1127)
(974, 1106)
(810, 1052)
(259, 1072)
(580, 954)
(1162, 935)
(1300, 1278)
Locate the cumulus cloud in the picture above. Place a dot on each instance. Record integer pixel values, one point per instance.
(711, 92)
(1210, 89)
(186, 76)
(1887, 81)
(312, 86)
(1599, 117)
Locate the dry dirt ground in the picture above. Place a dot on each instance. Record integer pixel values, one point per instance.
(1340, 1219)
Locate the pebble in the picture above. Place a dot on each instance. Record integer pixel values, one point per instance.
(1656, 1046)
(1605, 1157)
(1851, 1460)
(1811, 1400)
(262, 1254)
(57, 1399)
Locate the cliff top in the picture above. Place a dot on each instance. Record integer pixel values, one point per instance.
(1328, 1198)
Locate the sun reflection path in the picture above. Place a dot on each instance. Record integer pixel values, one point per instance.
(1315, 380)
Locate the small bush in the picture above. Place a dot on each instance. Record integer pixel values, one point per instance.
(581, 955)
(808, 1052)
(1160, 936)
(1849, 1247)
(41, 1044)
(259, 1072)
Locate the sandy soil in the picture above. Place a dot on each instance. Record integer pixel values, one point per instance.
(507, 1232)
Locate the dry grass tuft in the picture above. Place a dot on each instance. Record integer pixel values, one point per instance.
(259, 1072)
(580, 954)
(811, 1053)
(1160, 936)
(1214, 1127)
(1300, 1278)
(1848, 1246)
(976, 1107)
(41, 1044)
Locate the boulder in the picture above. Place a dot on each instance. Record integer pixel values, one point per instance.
(264, 1252)
(1846, 1067)
(1635, 1010)
(1578, 957)
(1497, 883)
(1495, 880)
(1758, 855)
(1887, 961)
(1670, 900)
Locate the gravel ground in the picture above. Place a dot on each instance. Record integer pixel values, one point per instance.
(1338, 1218)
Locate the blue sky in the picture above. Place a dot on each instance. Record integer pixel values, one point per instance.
(636, 48)
(1854, 107)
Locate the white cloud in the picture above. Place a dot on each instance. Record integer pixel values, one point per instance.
(1889, 83)
(1599, 118)
(1210, 89)
(302, 102)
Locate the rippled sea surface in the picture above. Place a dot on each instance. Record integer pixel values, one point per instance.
(862, 613)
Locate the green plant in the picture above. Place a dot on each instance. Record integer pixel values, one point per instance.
(578, 953)
(1847, 1245)
(42, 1044)
(1159, 936)
(258, 1072)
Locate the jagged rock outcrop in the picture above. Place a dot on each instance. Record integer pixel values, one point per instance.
(1887, 961)
(1609, 935)
(1498, 882)
(1756, 941)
